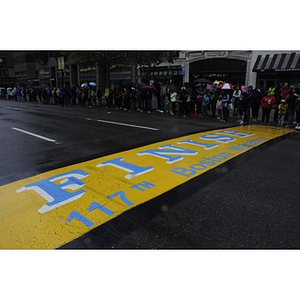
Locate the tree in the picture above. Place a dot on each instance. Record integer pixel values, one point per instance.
(147, 60)
(106, 59)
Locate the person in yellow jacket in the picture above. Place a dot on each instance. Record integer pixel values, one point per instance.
(282, 109)
(106, 96)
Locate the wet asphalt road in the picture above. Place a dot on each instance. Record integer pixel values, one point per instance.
(78, 135)
(254, 204)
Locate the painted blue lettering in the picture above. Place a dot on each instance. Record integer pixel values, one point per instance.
(133, 170)
(56, 193)
(164, 152)
(184, 172)
(217, 138)
(236, 133)
(122, 196)
(96, 205)
(75, 214)
(143, 186)
(204, 145)
(199, 166)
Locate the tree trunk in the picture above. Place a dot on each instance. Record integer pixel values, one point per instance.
(103, 75)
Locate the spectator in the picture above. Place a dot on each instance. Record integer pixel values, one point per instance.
(164, 97)
(106, 96)
(257, 96)
(127, 99)
(282, 109)
(267, 103)
(297, 109)
(184, 100)
(118, 98)
(284, 91)
(247, 100)
(173, 102)
(291, 102)
(99, 96)
(225, 102)
(213, 102)
(148, 100)
(199, 102)
(219, 108)
(205, 104)
(236, 97)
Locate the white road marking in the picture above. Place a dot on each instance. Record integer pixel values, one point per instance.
(9, 107)
(36, 135)
(123, 124)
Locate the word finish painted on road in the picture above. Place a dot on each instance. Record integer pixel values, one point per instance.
(51, 209)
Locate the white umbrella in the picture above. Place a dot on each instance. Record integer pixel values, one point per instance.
(226, 86)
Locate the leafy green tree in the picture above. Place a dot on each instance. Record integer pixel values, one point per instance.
(107, 59)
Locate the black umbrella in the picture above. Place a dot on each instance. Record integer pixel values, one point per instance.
(202, 80)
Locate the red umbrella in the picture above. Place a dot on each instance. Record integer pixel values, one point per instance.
(226, 86)
(148, 87)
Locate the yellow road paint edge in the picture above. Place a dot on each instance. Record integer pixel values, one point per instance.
(53, 208)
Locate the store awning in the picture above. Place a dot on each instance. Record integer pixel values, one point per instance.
(280, 62)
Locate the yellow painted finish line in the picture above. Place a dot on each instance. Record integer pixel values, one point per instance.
(53, 208)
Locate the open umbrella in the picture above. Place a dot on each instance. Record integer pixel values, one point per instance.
(93, 84)
(201, 80)
(148, 87)
(84, 85)
(226, 86)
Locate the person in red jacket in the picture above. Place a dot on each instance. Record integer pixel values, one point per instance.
(267, 103)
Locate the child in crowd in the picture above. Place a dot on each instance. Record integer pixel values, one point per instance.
(205, 104)
(282, 109)
(219, 108)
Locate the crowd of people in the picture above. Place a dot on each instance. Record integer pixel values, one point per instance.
(223, 101)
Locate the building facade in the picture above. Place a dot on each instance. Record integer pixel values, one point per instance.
(256, 68)
(7, 71)
(226, 66)
(276, 67)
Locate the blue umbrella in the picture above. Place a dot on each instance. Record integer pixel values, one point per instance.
(93, 84)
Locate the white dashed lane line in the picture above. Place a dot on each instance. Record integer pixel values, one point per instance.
(36, 135)
(123, 124)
